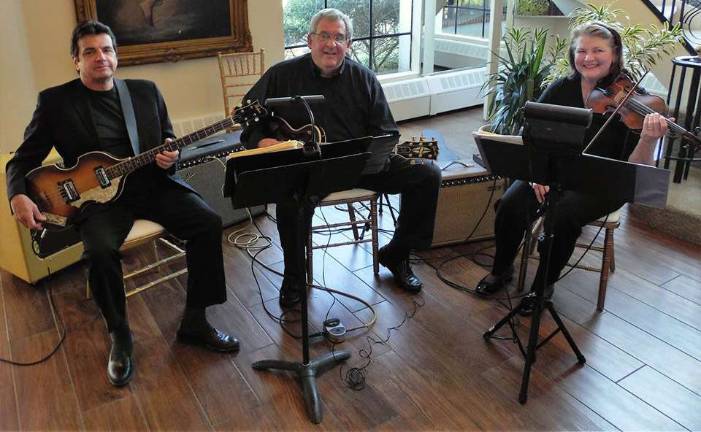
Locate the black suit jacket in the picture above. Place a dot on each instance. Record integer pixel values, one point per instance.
(62, 119)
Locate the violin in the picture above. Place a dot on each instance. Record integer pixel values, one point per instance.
(636, 104)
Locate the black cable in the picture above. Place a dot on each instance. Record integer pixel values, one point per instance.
(439, 272)
(354, 377)
(59, 326)
(282, 320)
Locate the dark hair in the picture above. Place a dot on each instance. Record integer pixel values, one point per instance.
(603, 31)
(90, 28)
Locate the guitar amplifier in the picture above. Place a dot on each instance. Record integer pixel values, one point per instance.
(28, 256)
(467, 192)
(203, 166)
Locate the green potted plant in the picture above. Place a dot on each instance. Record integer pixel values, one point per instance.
(522, 70)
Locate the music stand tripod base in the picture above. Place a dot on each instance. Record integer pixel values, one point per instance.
(276, 177)
(306, 374)
(533, 343)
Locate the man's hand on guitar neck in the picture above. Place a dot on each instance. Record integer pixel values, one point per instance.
(26, 212)
(167, 159)
(267, 142)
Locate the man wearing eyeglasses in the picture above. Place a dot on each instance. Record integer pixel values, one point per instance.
(355, 106)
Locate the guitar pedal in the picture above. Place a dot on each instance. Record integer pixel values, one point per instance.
(334, 330)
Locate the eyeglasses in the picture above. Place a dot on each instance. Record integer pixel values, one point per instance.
(325, 37)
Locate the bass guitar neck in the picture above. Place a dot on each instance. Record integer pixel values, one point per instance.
(98, 177)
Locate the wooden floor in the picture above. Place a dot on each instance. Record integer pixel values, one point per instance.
(643, 369)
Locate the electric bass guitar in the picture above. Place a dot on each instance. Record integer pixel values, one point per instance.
(98, 177)
(290, 138)
(284, 131)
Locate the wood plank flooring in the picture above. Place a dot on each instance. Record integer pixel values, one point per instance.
(434, 372)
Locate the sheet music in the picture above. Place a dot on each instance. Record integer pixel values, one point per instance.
(511, 139)
(643, 184)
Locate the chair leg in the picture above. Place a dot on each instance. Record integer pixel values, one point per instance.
(605, 267)
(156, 254)
(391, 210)
(613, 253)
(373, 228)
(354, 225)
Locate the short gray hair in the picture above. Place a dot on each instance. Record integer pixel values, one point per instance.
(332, 15)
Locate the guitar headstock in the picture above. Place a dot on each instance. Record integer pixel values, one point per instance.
(422, 148)
(252, 112)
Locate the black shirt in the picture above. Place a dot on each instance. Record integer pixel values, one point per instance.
(355, 105)
(113, 138)
(616, 142)
(110, 126)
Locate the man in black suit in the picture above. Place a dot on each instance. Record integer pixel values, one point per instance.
(100, 112)
(355, 106)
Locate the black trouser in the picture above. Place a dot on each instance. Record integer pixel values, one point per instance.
(516, 212)
(183, 213)
(417, 180)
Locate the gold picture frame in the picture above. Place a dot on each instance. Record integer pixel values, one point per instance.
(154, 31)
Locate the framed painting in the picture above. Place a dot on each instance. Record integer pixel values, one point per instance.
(152, 31)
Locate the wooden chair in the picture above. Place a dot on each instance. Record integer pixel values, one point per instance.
(349, 198)
(608, 257)
(144, 231)
(238, 73)
(608, 260)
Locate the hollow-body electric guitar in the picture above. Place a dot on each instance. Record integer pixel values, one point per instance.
(98, 177)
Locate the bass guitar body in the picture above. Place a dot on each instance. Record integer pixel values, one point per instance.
(60, 193)
(284, 131)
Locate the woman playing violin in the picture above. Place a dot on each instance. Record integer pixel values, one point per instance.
(596, 59)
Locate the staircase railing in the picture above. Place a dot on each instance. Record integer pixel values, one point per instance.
(683, 100)
(688, 16)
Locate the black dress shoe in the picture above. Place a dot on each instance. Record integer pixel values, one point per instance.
(120, 366)
(491, 284)
(528, 303)
(401, 270)
(207, 336)
(290, 293)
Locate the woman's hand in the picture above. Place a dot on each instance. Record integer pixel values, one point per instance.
(654, 127)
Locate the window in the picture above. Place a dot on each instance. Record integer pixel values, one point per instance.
(381, 30)
(467, 17)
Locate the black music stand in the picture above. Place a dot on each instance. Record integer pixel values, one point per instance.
(553, 136)
(289, 175)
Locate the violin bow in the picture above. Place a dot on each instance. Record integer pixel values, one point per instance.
(613, 114)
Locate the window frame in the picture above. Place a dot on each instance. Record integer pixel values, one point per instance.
(411, 33)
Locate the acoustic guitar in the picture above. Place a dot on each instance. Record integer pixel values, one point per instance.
(98, 177)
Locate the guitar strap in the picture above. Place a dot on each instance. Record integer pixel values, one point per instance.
(128, 111)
